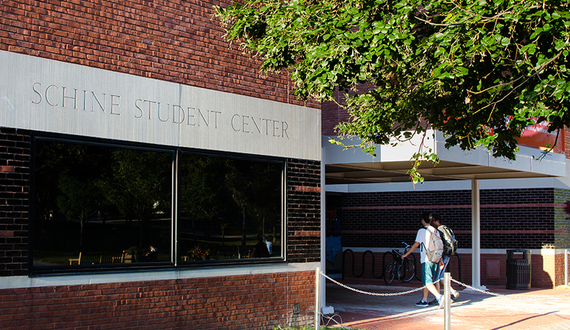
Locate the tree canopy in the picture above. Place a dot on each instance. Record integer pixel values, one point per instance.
(479, 71)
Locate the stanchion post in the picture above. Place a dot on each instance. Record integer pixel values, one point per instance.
(447, 301)
(317, 298)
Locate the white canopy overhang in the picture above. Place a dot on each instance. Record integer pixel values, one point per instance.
(392, 163)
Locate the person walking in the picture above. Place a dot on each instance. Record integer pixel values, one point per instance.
(436, 223)
(429, 269)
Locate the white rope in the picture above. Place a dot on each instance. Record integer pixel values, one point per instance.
(509, 295)
(476, 289)
(456, 281)
(371, 293)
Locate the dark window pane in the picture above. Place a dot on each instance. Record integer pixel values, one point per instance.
(227, 207)
(99, 205)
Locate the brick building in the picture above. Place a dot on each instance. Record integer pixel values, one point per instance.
(141, 156)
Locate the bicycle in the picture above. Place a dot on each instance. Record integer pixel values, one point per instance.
(403, 270)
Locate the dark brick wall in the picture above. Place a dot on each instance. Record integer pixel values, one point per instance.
(14, 190)
(228, 302)
(172, 40)
(303, 211)
(510, 218)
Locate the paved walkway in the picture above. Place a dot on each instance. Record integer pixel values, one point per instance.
(514, 309)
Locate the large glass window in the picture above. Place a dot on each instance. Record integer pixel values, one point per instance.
(230, 208)
(105, 206)
(99, 205)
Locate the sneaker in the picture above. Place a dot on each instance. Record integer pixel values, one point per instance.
(433, 302)
(440, 301)
(422, 303)
(454, 296)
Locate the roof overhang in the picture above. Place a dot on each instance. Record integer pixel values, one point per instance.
(392, 162)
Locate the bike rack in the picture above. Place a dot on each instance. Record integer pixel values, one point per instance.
(363, 263)
(384, 264)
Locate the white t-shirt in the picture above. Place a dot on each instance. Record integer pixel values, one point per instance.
(423, 237)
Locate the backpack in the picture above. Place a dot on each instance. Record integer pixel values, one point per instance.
(434, 248)
(449, 241)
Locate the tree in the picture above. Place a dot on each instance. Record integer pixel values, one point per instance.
(139, 186)
(479, 71)
(80, 197)
(204, 196)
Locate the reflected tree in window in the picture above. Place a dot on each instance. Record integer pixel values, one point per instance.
(140, 187)
(86, 198)
(225, 203)
(99, 206)
(256, 189)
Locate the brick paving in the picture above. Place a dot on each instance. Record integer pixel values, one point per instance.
(547, 309)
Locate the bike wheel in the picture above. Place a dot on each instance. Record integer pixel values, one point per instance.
(390, 272)
(409, 270)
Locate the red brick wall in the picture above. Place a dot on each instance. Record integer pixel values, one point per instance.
(567, 142)
(544, 268)
(176, 41)
(173, 40)
(232, 302)
(331, 115)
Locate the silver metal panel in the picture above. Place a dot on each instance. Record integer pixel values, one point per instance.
(51, 96)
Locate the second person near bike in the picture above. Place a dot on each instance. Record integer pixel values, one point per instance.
(429, 269)
(436, 223)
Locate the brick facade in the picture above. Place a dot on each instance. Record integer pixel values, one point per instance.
(229, 302)
(510, 218)
(531, 219)
(14, 188)
(263, 300)
(176, 41)
(304, 211)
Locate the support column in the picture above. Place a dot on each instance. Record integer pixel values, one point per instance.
(322, 284)
(475, 235)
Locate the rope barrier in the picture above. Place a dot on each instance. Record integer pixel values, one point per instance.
(535, 297)
(453, 280)
(370, 293)
(330, 318)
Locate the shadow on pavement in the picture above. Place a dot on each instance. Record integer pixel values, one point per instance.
(383, 307)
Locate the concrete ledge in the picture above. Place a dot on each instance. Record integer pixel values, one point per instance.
(14, 282)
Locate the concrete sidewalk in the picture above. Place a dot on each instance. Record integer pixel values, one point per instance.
(514, 309)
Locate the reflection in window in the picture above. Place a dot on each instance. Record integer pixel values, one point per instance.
(230, 209)
(100, 205)
(103, 206)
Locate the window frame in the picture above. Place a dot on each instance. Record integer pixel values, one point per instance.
(175, 255)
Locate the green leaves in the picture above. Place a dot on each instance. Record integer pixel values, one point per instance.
(478, 71)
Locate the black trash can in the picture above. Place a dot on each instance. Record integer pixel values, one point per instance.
(518, 270)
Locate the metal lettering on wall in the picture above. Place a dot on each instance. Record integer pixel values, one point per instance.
(46, 95)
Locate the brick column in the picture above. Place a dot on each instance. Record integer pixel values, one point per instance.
(14, 204)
